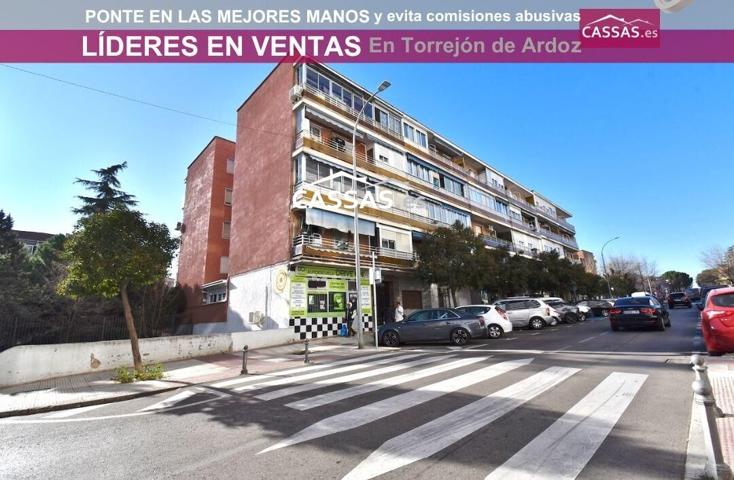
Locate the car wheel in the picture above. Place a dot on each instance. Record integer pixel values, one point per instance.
(536, 323)
(391, 339)
(571, 317)
(582, 317)
(494, 331)
(661, 325)
(460, 337)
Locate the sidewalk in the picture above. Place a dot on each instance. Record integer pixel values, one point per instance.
(721, 374)
(94, 388)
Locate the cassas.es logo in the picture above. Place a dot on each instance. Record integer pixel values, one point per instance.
(620, 28)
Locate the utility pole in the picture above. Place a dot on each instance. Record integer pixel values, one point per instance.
(604, 265)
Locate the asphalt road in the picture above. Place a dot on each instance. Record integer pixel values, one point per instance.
(574, 401)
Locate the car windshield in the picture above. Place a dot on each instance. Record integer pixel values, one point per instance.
(632, 302)
(677, 295)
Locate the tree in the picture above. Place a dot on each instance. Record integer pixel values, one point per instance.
(678, 281)
(18, 295)
(722, 261)
(453, 257)
(108, 194)
(111, 253)
(707, 277)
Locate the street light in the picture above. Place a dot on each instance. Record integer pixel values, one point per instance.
(604, 265)
(357, 268)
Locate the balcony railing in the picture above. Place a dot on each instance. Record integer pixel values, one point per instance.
(339, 104)
(560, 238)
(345, 249)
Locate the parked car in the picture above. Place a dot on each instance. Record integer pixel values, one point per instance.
(599, 308)
(717, 321)
(678, 298)
(495, 318)
(638, 312)
(527, 312)
(705, 291)
(694, 294)
(566, 312)
(433, 325)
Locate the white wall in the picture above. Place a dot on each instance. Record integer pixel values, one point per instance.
(258, 291)
(29, 363)
(527, 239)
(395, 158)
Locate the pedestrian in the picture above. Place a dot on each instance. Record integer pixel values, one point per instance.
(399, 312)
(349, 319)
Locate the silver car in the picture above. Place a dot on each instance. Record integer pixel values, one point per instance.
(527, 312)
(433, 325)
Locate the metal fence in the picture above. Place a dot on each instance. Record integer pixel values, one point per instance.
(19, 331)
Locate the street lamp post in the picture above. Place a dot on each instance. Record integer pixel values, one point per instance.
(604, 265)
(357, 267)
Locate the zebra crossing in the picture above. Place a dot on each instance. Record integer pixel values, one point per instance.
(560, 451)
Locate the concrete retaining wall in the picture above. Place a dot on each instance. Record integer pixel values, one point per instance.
(30, 363)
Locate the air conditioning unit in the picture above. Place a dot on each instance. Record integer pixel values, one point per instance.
(296, 93)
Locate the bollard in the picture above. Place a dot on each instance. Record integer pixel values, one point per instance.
(703, 396)
(305, 354)
(244, 361)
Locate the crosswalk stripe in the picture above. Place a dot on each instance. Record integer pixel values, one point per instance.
(284, 392)
(389, 406)
(434, 436)
(564, 448)
(74, 411)
(342, 394)
(173, 400)
(291, 371)
(323, 373)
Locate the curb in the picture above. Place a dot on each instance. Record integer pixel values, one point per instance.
(86, 403)
(696, 450)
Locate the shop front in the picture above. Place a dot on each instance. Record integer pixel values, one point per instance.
(320, 296)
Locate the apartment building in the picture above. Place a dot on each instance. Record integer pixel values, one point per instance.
(291, 257)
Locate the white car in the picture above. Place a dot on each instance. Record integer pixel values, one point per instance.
(496, 320)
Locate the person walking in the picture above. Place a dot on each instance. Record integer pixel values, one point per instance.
(351, 319)
(399, 313)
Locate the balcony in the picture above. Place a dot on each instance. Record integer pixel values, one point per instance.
(329, 100)
(570, 242)
(314, 246)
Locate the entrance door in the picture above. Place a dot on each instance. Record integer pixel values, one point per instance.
(385, 302)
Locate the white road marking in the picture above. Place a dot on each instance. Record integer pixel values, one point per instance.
(290, 371)
(534, 334)
(587, 339)
(389, 406)
(604, 333)
(323, 373)
(510, 339)
(434, 436)
(173, 400)
(74, 411)
(331, 397)
(284, 392)
(564, 448)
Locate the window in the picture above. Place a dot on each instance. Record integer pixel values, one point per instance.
(382, 117)
(217, 295)
(339, 143)
(317, 302)
(412, 299)
(417, 170)
(414, 135)
(228, 196)
(453, 186)
(422, 316)
(725, 300)
(532, 304)
(316, 132)
(383, 158)
(337, 301)
(312, 78)
(501, 207)
(226, 229)
(223, 264)
(230, 165)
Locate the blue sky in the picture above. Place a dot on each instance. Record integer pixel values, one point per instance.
(641, 151)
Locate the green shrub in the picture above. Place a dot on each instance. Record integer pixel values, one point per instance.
(150, 372)
(124, 375)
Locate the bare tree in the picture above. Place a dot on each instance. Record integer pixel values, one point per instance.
(720, 260)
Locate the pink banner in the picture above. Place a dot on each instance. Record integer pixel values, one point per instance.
(404, 46)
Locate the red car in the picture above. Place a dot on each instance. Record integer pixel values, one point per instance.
(717, 321)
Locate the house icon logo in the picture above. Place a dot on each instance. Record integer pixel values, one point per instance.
(620, 28)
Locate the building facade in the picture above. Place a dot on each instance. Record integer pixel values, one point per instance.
(31, 240)
(291, 251)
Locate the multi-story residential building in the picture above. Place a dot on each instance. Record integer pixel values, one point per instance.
(291, 255)
(203, 259)
(587, 260)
